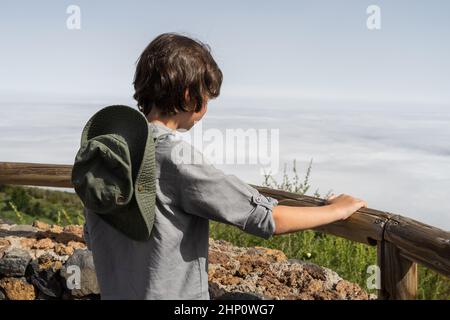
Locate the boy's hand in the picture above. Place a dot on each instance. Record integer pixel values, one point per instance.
(291, 219)
(345, 205)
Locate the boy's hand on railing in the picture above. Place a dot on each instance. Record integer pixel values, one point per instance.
(345, 205)
(291, 219)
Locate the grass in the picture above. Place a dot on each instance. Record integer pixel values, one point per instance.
(23, 205)
(349, 259)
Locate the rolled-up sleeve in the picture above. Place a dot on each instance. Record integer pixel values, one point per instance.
(208, 192)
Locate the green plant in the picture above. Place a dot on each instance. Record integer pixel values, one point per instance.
(292, 183)
(58, 218)
(18, 214)
(46, 205)
(66, 216)
(80, 219)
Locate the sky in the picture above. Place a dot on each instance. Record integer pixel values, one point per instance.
(370, 106)
(296, 49)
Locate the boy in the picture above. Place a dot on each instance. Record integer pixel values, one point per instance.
(175, 77)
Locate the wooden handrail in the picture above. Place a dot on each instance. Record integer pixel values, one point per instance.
(417, 241)
(365, 226)
(402, 242)
(36, 174)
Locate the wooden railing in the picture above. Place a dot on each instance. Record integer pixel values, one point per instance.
(401, 242)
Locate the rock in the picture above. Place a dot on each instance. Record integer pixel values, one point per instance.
(52, 232)
(261, 273)
(63, 250)
(56, 229)
(350, 291)
(14, 263)
(88, 278)
(39, 252)
(215, 291)
(329, 277)
(41, 225)
(44, 244)
(76, 245)
(4, 245)
(27, 243)
(254, 273)
(4, 229)
(4, 226)
(17, 289)
(70, 233)
(75, 230)
(48, 261)
(23, 230)
(44, 274)
(272, 254)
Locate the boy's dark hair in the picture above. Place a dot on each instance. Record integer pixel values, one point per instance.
(169, 65)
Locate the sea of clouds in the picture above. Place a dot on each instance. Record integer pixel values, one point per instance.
(396, 157)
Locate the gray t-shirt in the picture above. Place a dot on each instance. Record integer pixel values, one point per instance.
(173, 263)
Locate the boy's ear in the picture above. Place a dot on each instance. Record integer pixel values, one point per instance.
(187, 98)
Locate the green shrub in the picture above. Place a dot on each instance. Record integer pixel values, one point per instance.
(42, 204)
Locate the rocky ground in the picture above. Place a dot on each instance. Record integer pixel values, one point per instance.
(36, 262)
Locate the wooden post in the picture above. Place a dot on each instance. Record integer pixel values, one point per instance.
(398, 274)
(420, 243)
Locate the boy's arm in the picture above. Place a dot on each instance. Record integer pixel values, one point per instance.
(208, 192)
(291, 219)
(202, 190)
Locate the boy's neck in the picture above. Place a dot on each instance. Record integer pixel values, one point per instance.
(179, 121)
(171, 122)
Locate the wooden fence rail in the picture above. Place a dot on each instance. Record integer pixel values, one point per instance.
(401, 242)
